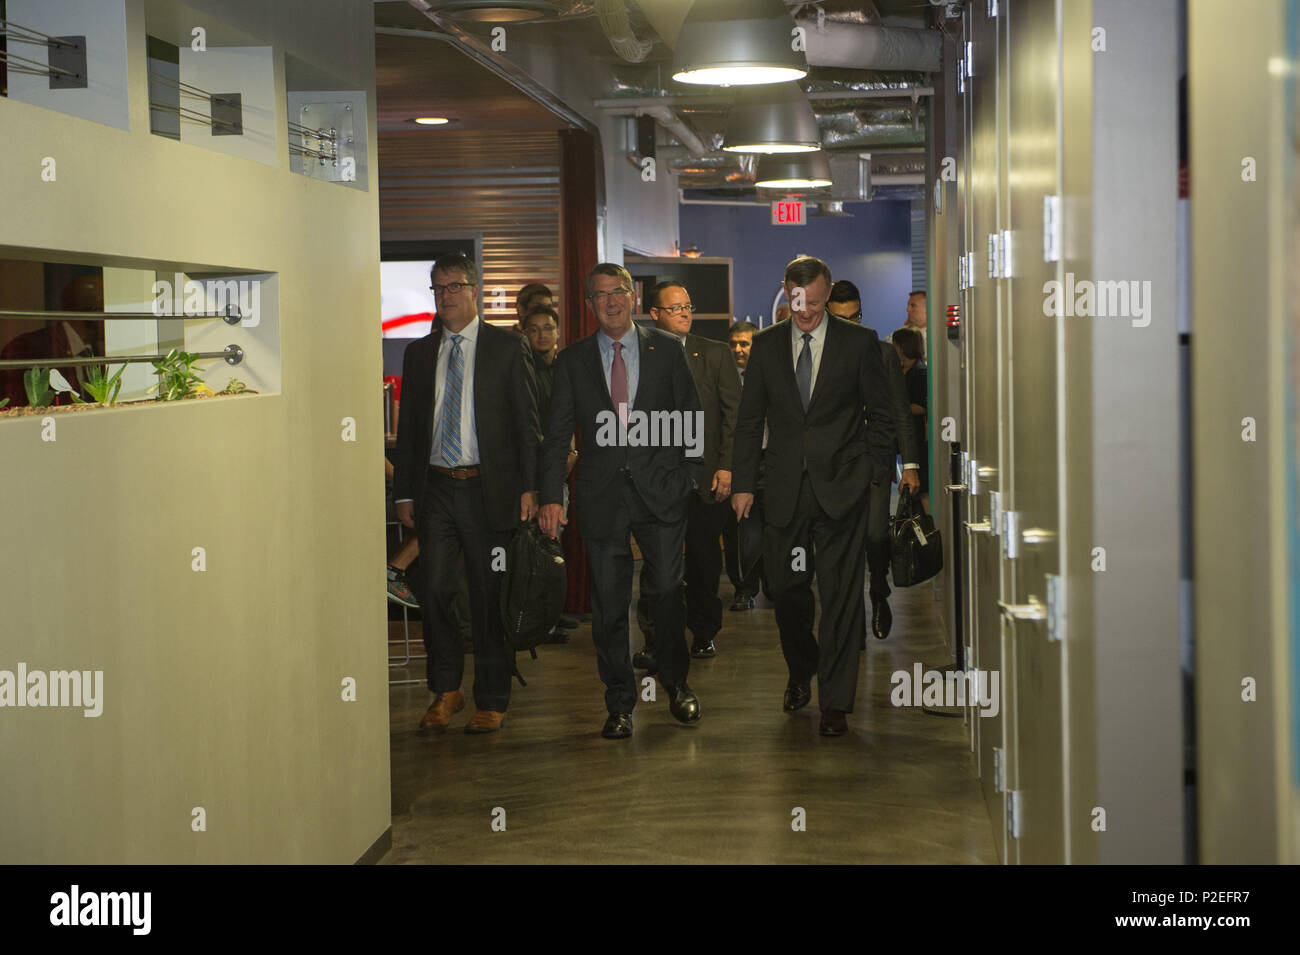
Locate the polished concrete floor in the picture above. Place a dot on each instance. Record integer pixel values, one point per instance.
(899, 788)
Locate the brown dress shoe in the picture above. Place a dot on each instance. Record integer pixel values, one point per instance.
(485, 721)
(438, 716)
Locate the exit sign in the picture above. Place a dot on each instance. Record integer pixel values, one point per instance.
(788, 212)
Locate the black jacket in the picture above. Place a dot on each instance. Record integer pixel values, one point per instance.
(848, 418)
(505, 417)
(718, 383)
(664, 476)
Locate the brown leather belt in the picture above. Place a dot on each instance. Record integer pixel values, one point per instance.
(460, 474)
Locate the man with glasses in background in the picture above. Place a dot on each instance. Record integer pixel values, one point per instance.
(718, 384)
(465, 476)
(626, 488)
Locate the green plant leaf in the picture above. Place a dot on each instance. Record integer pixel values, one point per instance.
(3, 402)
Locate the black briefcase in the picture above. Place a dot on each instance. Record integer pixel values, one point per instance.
(533, 592)
(917, 548)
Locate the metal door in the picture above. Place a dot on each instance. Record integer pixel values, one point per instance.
(982, 438)
(1029, 488)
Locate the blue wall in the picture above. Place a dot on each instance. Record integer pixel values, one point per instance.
(872, 250)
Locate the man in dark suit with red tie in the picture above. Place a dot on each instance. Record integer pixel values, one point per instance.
(610, 386)
(818, 384)
(465, 476)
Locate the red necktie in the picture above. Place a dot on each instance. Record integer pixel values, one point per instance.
(618, 382)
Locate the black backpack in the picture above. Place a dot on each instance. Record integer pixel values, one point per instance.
(532, 595)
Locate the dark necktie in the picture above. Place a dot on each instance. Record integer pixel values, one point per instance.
(618, 382)
(803, 371)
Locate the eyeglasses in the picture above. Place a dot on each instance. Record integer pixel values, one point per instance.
(598, 298)
(677, 309)
(452, 288)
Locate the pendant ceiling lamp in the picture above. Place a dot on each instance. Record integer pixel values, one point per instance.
(772, 119)
(492, 11)
(804, 171)
(738, 43)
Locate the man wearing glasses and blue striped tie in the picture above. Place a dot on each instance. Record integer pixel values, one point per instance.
(465, 476)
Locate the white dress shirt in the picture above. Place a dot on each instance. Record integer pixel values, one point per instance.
(817, 344)
(468, 437)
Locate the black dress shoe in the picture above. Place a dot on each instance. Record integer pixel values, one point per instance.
(882, 618)
(742, 603)
(702, 650)
(567, 622)
(833, 723)
(644, 660)
(797, 696)
(684, 705)
(618, 726)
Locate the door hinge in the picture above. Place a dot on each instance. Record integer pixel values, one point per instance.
(970, 269)
(995, 254)
(1014, 813)
(970, 59)
(1055, 606)
(993, 8)
(1011, 534)
(961, 273)
(973, 477)
(1006, 253)
(999, 770)
(995, 512)
(1051, 228)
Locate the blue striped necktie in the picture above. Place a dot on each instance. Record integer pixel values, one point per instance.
(450, 444)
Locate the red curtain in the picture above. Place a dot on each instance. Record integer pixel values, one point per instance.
(578, 158)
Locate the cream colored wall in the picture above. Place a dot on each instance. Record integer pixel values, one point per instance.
(222, 688)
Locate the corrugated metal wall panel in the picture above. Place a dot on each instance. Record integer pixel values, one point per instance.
(504, 185)
(919, 260)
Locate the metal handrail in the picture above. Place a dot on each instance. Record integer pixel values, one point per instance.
(232, 315)
(232, 354)
(34, 67)
(8, 25)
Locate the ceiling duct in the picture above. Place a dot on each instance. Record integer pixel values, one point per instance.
(863, 46)
(617, 24)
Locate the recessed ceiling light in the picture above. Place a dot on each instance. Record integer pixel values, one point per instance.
(737, 43)
(432, 120)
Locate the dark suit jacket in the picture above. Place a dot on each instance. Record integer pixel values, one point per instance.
(662, 475)
(846, 419)
(505, 418)
(899, 428)
(718, 383)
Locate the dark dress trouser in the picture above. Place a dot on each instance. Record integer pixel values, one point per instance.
(835, 551)
(879, 544)
(610, 562)
(453, 522)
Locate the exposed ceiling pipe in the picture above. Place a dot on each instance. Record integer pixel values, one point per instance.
(616, 23)
(670, 121)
